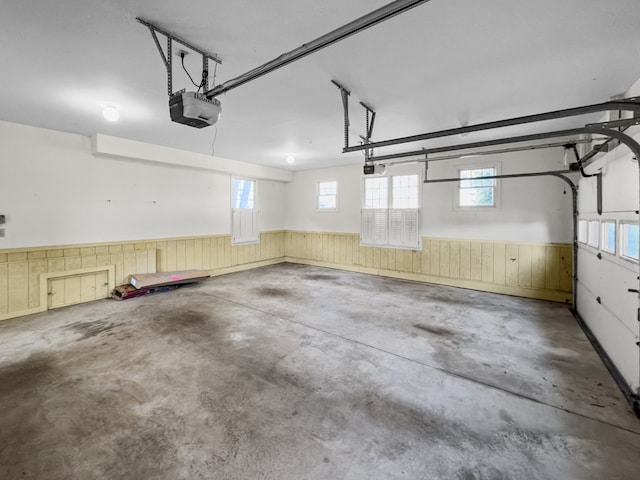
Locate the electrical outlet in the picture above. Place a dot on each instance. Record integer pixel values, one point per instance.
(1, 232)
(2, 219)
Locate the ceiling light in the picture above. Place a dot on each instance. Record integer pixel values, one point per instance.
(291, 159)
(111, 113)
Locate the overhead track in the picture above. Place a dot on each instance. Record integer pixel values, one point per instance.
(630, 104)
(479, 153)
(373, 18)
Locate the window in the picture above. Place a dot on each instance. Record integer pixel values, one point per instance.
(244, 214)
(629, 240)
(594, 234)
(609, 237)
(391, 211)
(475, 191)
(327, 196)
(375, 192)
(405, 191)
(243, 193)
(583, 231)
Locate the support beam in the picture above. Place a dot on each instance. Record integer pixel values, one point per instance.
(377, 16)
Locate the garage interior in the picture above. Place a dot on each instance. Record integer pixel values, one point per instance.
(419, 219)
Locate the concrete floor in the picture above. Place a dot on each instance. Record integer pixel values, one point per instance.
(298, 372)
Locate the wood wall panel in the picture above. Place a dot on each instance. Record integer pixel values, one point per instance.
(530, 270)
(21, 269)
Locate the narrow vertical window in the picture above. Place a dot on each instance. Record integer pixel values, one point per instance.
(629, 240)
(244, 214)
(583, 231)
(594, 234)
(327, 197)
(609, 237)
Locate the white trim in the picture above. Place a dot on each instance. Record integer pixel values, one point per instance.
(244, 221)
(497, 166)
(337, 195)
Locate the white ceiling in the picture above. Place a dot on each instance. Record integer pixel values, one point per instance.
(442, 64)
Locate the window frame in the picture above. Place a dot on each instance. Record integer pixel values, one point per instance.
(237, 212)
(604, 237)
(337, 195)
(622, 243)
(496, 187)
(583, 231)
(593, 229)
(410, 216)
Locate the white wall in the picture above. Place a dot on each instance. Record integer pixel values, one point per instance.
(531, 210)
(55, 192)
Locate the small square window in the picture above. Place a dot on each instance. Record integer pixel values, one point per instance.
(476, 191)
(629, 240)
(327, 196)
(609, 237)
(594, 233)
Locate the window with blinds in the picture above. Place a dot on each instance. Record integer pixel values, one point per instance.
(391, 213)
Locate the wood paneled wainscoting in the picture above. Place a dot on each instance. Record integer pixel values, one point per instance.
(35, 279)
(542, 271)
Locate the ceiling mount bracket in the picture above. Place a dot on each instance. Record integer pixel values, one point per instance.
(370, 118)
(344, 93)
(167, 59)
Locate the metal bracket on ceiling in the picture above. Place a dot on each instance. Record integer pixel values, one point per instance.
(344, 93)
(370, 118)
(167, 59)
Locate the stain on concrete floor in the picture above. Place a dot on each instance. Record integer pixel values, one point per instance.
(214, 382)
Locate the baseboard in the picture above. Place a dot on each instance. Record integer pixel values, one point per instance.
(549, 295)
(245, 266)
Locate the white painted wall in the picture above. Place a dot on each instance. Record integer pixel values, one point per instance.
(531, 210)
(614, 320)
(55, 192)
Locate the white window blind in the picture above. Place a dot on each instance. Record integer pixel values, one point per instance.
(404, 228)
(374, 226)
(245, 225)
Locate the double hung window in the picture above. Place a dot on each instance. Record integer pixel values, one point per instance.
(391, 213)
